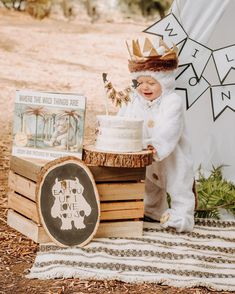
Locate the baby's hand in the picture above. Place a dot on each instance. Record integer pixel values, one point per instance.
(150, 147)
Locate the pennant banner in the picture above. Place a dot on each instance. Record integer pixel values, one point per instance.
(193, 59)
(224, 59)
(194, 88)
(169, 29)
(222, 97)
(195, 54)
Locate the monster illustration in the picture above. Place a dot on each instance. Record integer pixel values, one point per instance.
(64, 135)
(70, 204)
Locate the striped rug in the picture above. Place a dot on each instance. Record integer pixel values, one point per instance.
(204, 257)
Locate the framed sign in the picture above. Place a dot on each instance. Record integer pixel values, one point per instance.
(68, 202)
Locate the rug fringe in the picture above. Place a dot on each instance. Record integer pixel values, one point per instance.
(62, 274)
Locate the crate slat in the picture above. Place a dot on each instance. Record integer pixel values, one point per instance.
(26, 167)
(114, 174)
(22, 186)
(27, 227)
(23, 206)
(120, 191)
(120, 229)
(121, 214)
(127, 205)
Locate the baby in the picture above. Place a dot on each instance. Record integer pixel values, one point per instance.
(155, 101)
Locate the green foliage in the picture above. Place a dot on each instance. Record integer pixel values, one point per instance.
(148, 7)
(37, 8)
(14, 4)
(214, 192)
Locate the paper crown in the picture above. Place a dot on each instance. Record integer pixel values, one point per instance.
(151, 58)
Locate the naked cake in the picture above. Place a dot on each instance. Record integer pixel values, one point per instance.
(119, 134)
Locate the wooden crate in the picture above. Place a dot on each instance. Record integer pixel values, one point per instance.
(121, 192)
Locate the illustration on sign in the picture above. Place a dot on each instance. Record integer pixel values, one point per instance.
(68, 201)
(70, 204)
(48, 125)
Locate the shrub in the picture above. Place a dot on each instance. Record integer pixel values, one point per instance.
(214, 192)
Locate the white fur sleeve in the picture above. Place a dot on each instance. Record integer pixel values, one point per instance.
(169, 129)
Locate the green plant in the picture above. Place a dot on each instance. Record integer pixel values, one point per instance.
(214, 192)
(13, 4)
(148, 7)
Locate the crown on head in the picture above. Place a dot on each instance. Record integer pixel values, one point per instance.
(151, 58)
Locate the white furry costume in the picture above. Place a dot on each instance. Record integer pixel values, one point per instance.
(172, 169)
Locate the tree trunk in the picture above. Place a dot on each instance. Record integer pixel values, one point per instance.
(36, 132)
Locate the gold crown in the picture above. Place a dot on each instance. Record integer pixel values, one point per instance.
(151, 58)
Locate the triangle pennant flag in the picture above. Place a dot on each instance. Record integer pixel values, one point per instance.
(195, 54)
(169, 29)
(194, 88)
(224, 59)
(222, 97)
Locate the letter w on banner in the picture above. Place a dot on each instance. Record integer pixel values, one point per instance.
(222, 97)
(171, 30)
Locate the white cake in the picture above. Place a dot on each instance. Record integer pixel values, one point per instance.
(119, 134)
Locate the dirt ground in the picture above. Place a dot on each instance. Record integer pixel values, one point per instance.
(59, 56)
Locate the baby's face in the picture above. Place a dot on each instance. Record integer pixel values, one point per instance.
(149, 88)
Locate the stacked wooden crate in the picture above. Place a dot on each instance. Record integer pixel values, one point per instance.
(121, 192)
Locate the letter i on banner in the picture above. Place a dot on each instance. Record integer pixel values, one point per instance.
(222, 97)
(169, 29)
(194, 88)
(195, 54)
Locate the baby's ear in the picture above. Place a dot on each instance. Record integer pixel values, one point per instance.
(135, 83)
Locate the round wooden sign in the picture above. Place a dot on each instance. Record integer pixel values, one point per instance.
(68, 202)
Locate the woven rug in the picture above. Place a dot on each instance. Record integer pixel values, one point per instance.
(204, 257)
